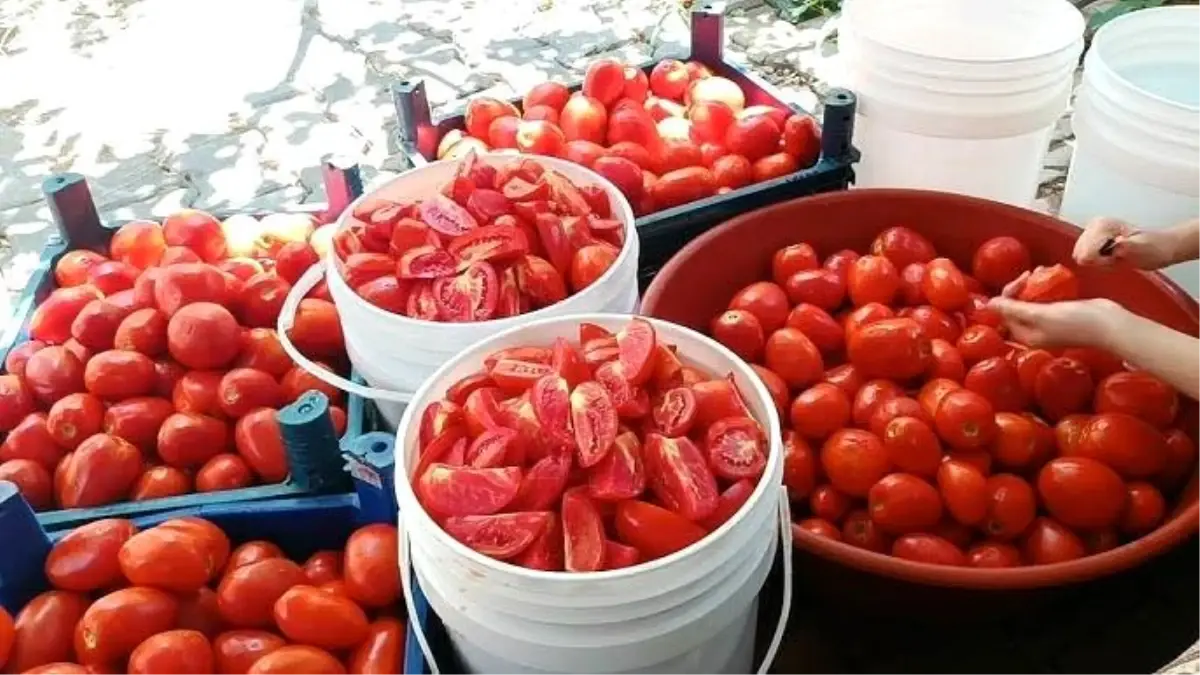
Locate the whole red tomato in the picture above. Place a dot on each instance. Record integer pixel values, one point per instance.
(1047, 542)
(1131, 446)
(382, 651)
(370, 565)
(308, 615)
(173, 651)
(891, 348)
(237, 650)
(166, 558)
(86, 559)
(260, 442)
(928, 548)
(1139, 394)
(102, 470)
(1082, 492)
(901, 503)
(43, 630)
(118, 622)
(854, 460)
(799, 466)
(790, 354)
(246, 596)
(297, 659)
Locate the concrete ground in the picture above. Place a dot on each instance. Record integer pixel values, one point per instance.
(226, 104)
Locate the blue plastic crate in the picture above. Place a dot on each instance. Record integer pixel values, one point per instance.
(300, 526)
(313, 452)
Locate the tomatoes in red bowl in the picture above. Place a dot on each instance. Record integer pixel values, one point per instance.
(925, 445)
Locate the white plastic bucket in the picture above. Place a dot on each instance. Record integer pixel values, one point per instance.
(394, 353)
(947, 101)
(693, 611)
(1137, 126)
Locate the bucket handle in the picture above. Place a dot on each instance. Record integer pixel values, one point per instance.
(287, 318)
(785, 538)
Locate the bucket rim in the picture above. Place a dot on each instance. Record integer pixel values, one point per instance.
(1070, 15)
(1095, 58)
(406, 493)
(630, 248)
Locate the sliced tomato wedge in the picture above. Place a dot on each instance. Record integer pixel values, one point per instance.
(492, 243)
(492, 448)
(680, 477)
(425, 262)
(729, 504)
(637, 342)
(617, 555)
(517, 376)
(437, 418)
(501, 536)
(543, 484)
(568, 362)
(551, 399)
(620, 474)
(564, 193)
(546, 552)
(472, 295)
(554, 239)
(444, 215)
(676, 412)
(583, 532)
(464, 491)
(590, 331)
(595, 422)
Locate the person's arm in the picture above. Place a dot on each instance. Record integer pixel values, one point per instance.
(1184, 241)
(1169, 355)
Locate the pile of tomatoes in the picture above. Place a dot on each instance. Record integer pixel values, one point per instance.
(916, 429)
(176, 599)
(590, 455)
(494, 242)
(675, 136)
(155, 370)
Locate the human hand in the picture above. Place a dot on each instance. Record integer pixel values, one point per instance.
(1078, 323)
(1144, 250)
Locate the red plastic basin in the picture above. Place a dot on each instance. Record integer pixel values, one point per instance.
(698, 282)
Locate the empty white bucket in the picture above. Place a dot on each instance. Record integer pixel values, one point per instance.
(958, 95)
(395, 354)
(693, 611)
(1137, 126)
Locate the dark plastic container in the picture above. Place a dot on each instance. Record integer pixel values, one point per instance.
(688, 292)
(663, 233)
(308, 432)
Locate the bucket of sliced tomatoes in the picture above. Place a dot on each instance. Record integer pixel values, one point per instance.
(452, 252)
(588, 476)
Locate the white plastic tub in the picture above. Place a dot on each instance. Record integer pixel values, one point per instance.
(950, 102)
(693, 611)
(394, 353)
(1137, 126)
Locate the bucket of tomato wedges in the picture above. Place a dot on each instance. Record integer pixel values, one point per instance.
(594, 493)
(452, 252)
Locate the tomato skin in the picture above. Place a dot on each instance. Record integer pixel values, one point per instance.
(823, 288)
(912, 446)
(1145, 508)
(979, 342)
(997, 380)
(860, 531)
(818, 526)
(775, 386)
(42, 632)
(653, 530)
(246, 596)
(741, 332)
(117, 375)
(138, 420)
(370, 565)
(993, 554)
(825, 332)
(901, 503)
(1047, 542)
(944, 286)
(870, 396)
(1012, 506)
(799, 466)
(964, 491)
(102, 470)
(323, 567)
(237, 650)
(872, 278)
(225, 471)
(820, 410)
(308, 615)
(173, 651)
(1082, 492)
(827, 503)
(297, 659)
(260, 442)
(383, 650)
(31, 439)
(188, 440)
(1138, 394)
(965, 420)
(86, 559)
(1063, 387)
(891, 348)
(791, 355)
(157, 482)
(792, 259)
(165, 558)
(1056, 283)
(1131, 446)
(766, 301)
(1000, 260)
(116, 623)
(52, 373)
(854, 460)
(205, 336)
(928, 548)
